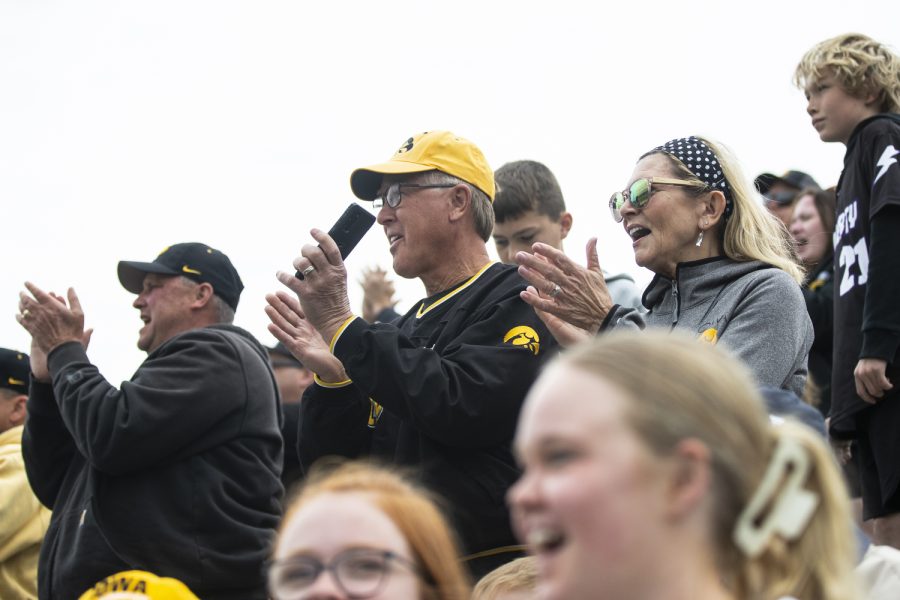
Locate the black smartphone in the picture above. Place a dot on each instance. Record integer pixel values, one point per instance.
(349, 229)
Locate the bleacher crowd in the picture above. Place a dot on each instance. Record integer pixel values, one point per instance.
(531, 428)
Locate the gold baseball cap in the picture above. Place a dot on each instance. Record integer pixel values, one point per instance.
(138, 585)
(433, 150)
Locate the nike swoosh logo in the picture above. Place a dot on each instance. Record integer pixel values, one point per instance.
(13, 381)
(187, 269)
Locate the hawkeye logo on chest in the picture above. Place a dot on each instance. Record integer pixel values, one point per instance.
(524, 336)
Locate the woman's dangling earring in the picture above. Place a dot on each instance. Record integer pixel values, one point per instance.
(700, 237)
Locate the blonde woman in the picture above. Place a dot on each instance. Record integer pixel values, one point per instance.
(651, 470)
(362, 531)
(723, 268)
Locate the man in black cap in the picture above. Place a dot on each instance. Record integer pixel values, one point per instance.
(23, 520)
(175, 472)
(779, 192)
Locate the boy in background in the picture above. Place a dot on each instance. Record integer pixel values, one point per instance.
(529, 208)
(852, 84)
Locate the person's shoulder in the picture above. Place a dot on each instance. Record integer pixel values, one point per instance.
(11, 446)
(498, 269)
(772, 278)
(212, 339)
(880, 571)
(881, 122)
(230, 331)
(617, 277)
(501, 278)
(773, 273)
(870, 130)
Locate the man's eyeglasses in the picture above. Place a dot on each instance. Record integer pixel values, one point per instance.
(639, 194)
(391, 196)
(359, 572)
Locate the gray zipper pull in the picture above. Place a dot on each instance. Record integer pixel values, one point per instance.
(675, 313)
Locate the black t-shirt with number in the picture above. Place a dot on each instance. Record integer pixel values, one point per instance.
(866, 257)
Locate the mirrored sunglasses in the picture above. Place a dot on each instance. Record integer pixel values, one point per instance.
(639, 194)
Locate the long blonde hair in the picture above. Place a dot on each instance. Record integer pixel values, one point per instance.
(696, 391)
(751, 232)
(411, 508)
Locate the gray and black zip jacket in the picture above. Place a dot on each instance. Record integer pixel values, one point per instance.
(755, 310)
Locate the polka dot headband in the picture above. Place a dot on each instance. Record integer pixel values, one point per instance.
(702, 162)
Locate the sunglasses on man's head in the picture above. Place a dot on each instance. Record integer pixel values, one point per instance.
(780, 198)
(639, 194)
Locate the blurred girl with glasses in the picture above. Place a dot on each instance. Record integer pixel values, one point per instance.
(362, 531)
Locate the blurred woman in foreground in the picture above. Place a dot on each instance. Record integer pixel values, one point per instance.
(652, 471)
(364, 532)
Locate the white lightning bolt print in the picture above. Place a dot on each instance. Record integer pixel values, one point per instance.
(886, 160)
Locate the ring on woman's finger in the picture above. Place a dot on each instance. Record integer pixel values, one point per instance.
(26, 312)
(555, 291)
(308, 270)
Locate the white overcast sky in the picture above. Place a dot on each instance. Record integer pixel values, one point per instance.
(127, 126)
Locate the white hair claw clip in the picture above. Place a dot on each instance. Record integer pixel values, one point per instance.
(780, 505)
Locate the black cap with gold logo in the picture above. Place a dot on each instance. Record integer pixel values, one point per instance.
(14, 369)
(192, 260)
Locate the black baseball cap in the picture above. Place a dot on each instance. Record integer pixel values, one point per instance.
(794, 179)
(14, 370)
(193, 260)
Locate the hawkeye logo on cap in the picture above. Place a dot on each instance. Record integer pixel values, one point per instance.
(524, 336)
(406, 147)
(14, 381)
(187, 269)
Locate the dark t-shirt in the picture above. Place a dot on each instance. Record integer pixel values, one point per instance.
(866, 315)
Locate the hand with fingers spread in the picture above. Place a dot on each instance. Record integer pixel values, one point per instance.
(290, 326)
(50, 319)
(378, 293)
(871, 379)
(323, 290)
(575, 295)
